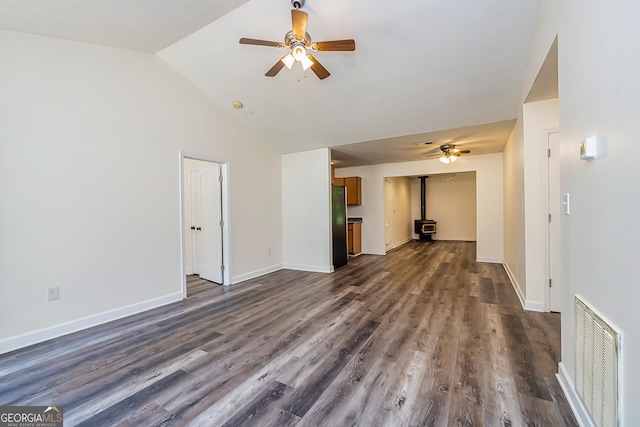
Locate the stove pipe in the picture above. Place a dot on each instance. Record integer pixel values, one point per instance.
(423, 197)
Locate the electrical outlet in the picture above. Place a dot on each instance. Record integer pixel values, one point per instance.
(269, 251)
(53, 293)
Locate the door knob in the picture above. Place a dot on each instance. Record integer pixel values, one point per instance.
(193, 228)
(198, 228)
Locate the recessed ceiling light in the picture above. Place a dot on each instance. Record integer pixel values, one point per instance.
(237, 105)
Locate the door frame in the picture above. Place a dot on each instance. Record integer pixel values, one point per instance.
(546, 295)
(388, 213)
(226, 217)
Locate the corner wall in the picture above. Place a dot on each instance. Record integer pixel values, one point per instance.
(538, 118)
(521, 153)
(306, 210)
(401, 223)
(514, 229)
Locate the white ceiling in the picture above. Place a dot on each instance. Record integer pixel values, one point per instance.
(145, 25)
(422, 69)
(479, 139)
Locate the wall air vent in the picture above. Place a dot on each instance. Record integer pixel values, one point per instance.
(597, 352)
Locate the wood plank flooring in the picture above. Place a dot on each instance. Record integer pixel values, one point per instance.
(423, 336)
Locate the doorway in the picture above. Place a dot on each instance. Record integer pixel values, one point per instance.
(204, 219)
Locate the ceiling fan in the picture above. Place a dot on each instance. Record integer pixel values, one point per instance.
(298, 41)
(449, 153)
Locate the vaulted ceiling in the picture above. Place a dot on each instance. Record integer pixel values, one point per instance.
(422, 70)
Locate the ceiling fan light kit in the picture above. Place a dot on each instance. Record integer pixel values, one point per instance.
(449, 153)
(447, 158)
(299, 42)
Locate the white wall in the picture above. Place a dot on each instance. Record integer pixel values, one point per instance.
(599, 69)
(401, 222)
(306, 209)
(489, 220)
(599, 93)
(89, 184)
(514, 241)
(524, 168)
(451, 201)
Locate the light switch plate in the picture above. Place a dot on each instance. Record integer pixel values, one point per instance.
(566, 208)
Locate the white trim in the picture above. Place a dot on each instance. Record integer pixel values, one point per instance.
(373, 253)
(397, 245)
(455, 238)
(490, 260)
(254, 274)
(546, 294)
(569, 389)
(514, 283)
(534, 306)
(310, 268)
(45, 334)
(181, 221)
(526, 304)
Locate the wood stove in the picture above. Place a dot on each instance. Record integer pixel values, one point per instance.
(424, 227)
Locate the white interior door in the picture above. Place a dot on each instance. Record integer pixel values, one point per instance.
(194, 211)
(211, 224)
(388, 214)
(555, 210)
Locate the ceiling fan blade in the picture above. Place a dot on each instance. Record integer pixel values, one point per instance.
(317, 68)
(260, 42)
(276, 68)
(335, 45)
(299, 23)
(434, 152)
(457, 153)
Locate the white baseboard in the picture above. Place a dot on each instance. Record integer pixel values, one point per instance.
(526, 304)
(534, 306)
(253, 274)
(397, 245)
(569, 389)
(454, 238)
(490, 260)
(310, 268)
(514, 283)
(35, 337)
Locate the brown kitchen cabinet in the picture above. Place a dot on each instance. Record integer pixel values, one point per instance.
(354, 188)
(354, 238)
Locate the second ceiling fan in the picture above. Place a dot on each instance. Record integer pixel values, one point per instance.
(298, 41)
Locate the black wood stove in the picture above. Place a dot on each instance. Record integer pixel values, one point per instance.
(424, 227)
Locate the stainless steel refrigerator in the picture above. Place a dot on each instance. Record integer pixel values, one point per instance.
(339, 225)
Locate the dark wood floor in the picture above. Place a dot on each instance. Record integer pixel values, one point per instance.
(422, 336)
